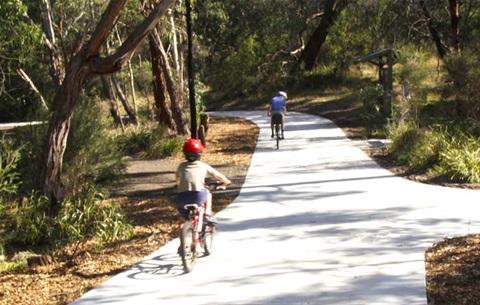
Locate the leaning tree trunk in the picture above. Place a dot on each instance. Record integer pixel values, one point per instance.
(175, 93)
(59, 126)
(126, 105)
(316, 41)
(163, 113)
(84, 64)
(110, 96)
(441, 47)
(454, 9)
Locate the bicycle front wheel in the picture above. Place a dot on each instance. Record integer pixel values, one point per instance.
(277, 134)
(208, 239)
(187, 247)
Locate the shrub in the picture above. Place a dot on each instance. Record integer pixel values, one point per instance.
(418, 148)
(92, 156)
(372, 117)
(459, 161)
(34, 226)
(81, 217)
(150, 143)
(89, 216)
(9, 177)
(464, 73)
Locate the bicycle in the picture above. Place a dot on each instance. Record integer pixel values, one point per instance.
(195, 232)
(277, 122)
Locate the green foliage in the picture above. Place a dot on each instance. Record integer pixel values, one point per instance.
(33, 223)
(404, 137)
(20, 40)
(346, 43)
(459, 161)
(81, 217)
(150, 143)
(6, 266)
(464, 73)
(87, 216)
(9, 186)
(412, 73)
(449, 152)
(29, 139)
(238, 71)
(373, 98)
(419, 149)
(9, 176)
(18, 36)
(91, 156)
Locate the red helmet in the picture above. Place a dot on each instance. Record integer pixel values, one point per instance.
(192, 149)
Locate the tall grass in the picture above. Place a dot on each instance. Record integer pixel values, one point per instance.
(447, 151)
(150, 143)
(460, 160)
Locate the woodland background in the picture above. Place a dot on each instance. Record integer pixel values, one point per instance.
(108, 80)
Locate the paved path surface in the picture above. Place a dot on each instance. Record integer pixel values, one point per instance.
(316, 222)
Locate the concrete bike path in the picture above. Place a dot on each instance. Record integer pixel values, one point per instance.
(316, 222)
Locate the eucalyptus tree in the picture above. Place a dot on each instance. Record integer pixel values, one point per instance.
(85, 63)
(168, 43)
(312, 50)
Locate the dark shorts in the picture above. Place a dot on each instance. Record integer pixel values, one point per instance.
(184, 198)
(277, 117)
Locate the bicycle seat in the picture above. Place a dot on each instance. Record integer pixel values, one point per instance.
(189, 206)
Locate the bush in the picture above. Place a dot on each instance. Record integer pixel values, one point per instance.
(373, 99)
(89, 216)
(9, 176)
(9, 186)
(419, 149)
(92, 155)
(464, 73)
(81, 217)
(34, 226)
(459, 161)
(150, 143)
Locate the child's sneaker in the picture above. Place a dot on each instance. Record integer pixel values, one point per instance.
(210, 219)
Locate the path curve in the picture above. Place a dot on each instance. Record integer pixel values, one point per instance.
(316, 222)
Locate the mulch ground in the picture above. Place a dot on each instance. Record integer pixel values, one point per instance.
(452, 265)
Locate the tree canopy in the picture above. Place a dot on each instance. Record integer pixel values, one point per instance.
(52, 51)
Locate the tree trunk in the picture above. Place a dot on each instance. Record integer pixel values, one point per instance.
(454, 8)
(57, 69)
(132, 86)
(174, 92)
(110, 96)
(316, 41)
(83, 65)
(441, 48)
(59, 126)
(163, 111)
(123, 99)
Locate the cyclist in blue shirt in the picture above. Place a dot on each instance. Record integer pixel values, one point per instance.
(278, 105)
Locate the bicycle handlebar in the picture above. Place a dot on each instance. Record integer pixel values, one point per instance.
(216, 185)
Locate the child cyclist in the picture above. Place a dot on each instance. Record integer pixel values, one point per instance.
(190, 179)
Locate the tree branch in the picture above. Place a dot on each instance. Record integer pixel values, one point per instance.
(116, 61)
(27, 79)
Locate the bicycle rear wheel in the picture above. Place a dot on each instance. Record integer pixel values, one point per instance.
(187, 247)
(277, 134)
(207, 239)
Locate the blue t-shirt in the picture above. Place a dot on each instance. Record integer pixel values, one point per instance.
(278, 103)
